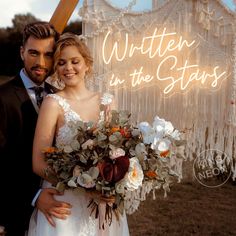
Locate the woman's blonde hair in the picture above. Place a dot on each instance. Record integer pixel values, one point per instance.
(70, 39)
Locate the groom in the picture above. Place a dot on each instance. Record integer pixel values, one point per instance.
(19, 103)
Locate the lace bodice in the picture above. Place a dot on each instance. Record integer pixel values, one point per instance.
(66, 132)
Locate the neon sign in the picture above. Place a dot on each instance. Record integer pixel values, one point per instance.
(164, 50)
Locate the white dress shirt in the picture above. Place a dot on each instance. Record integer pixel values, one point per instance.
(29, 84)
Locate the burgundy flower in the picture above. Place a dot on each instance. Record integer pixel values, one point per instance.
(114, 170)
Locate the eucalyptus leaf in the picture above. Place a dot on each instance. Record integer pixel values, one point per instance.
(113, 138)
(60, 187)
(95, 154)
(75, 145)
(68, 149)
(64, 175)
(80, 125)
(135, 132)
(71, 183)
(90, 124)
(101, 137)
(83, 159)
(94, 172)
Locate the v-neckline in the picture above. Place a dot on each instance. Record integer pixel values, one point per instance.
(79, 116)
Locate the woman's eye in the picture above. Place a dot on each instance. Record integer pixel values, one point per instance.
(75, 62)
(61, 63)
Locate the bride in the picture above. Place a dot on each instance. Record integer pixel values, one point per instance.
(72, 64)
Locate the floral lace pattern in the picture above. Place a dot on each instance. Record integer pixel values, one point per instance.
(66, 133)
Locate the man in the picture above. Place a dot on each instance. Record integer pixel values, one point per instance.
(19, 103)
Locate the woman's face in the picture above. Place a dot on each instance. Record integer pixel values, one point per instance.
(71, 66)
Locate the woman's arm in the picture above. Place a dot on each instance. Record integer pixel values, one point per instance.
(44, 133)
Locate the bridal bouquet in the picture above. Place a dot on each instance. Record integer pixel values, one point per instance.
(116, 159)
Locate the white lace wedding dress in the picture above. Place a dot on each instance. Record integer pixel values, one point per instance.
(79, 223)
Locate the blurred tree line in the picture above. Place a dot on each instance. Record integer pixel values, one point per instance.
(11, 40)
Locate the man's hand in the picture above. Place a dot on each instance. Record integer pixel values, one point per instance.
(51, 207)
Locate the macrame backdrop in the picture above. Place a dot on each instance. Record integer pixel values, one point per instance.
(207, 113)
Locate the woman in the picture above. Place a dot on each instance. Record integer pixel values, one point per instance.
(72, 64)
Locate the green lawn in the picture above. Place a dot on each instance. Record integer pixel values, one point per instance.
(190, 209)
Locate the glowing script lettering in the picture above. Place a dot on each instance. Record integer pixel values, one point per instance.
(194, 74)
(114, 81)
(165, 52)
(155, 46)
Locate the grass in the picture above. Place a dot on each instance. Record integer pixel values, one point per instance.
(190, 209)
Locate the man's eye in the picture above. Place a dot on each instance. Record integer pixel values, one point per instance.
(49, 54)
(34, 54)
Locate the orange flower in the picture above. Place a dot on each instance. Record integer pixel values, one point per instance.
(49, 149)
(151, 174)
(165, 153)
(114, 129)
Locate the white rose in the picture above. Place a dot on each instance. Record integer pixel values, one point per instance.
(147, 132)
(169, 128)
(118, 152)
(162, 145)
(134, 177)
(159, 124)
(144, 127)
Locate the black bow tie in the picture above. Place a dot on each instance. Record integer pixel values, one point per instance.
(38, 94)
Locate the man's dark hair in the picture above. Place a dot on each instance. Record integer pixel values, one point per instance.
(39, 30)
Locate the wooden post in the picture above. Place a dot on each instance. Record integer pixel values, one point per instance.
(62, 14)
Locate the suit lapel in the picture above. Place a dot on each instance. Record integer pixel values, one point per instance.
(22, 95)
(20, 89)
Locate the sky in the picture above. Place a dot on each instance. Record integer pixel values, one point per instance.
(43, 9)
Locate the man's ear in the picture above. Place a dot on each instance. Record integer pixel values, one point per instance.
(22, 53)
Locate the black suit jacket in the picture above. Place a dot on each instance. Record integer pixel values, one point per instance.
(18, 184)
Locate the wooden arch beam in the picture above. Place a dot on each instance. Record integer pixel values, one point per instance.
(62, 14)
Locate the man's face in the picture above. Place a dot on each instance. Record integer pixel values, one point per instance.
(37, 55)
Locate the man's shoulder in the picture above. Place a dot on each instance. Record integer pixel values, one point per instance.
(9, 85)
